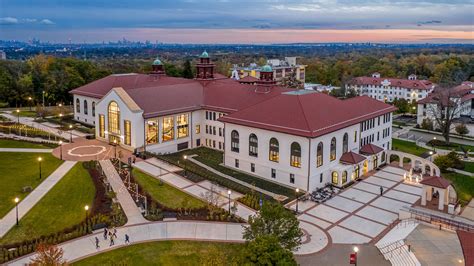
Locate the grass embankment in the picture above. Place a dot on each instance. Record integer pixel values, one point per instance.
(19, 170)
(9, 143)
(463, 184)
(408, 147)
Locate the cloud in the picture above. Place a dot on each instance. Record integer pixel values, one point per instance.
(8, 21)
(46, 22)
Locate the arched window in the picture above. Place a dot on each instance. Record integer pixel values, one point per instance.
(274, 154)
(78, 106)
(332, 155)
(344, 177)
(114, 118)
(295, 154)
(355, 174)
(334, 178)
(85, 107)
(253, 145)
(345, 143)
(319, 155)
(234, 141)
(93, 109)
(383, 157)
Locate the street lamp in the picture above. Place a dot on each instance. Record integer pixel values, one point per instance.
(39, 161)
(16, 206)
(297, 190)
(29, 101)
(228, 195)
(356, 249)
(43, 98)
(70, 133)
(433, 144)
(61, 149)
(86, 208)
(18, 115)
(185, 157)
(431, 154)
(115, 148)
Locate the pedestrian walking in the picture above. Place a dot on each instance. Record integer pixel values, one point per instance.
(105, 233)
(112, 241)
(97, 243)
(115, 233)
(381, 190)
(127, 239)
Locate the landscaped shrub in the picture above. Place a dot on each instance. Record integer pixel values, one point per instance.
(450, 160)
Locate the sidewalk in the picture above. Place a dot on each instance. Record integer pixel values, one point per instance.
(25, 150)
(83, 247)
(34, 197)
(134, 216)
(37, 140)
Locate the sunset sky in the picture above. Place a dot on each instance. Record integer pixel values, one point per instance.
(244, 21)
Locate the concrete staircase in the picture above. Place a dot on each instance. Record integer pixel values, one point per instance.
(393, 247)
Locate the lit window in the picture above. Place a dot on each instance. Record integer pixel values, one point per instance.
(253, 145)
(114, 118)
(183, 125)
(344, 177)
(295, 155)
(332, 155)
(102, 126)
(274, 153)
(128, 131)
(335, 178)
(151, 131)
(198, 129)
(168, 128)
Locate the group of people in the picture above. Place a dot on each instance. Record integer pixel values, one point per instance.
(112, 235)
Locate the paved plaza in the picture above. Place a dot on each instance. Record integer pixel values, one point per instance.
(359, 214)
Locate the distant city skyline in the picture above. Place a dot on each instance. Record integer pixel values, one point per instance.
(222, 21)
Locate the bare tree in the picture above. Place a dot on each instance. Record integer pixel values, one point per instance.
(444, 107)
(211, 196)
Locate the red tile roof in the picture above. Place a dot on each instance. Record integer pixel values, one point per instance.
(370, 149)
(436, 181)
(351, 158)
(308, 113)
(248, 79)
(462, 91)
(467, 244)
(403, 83)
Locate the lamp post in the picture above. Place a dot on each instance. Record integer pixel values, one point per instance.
(29, 101)
(115, 148)
(39, 161)
(70, 133)
(43, 99)
(356, 249)
(297, 190)
(185, 157)
(433, 144)
(86, 208)
(431, 154)
(228, 195)
(16, 206)
(18, 115)
(61, 149)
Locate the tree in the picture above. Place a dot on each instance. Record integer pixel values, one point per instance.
(49, 255)
(274, 220)
(266, 250)
(461, 129)
(450, 160)
(444, 108)
(187, 70)
(291, 81)
(402, 105)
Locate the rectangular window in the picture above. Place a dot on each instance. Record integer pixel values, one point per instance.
(355, 136)
(168, 128)
(274, 173)
(151, 131)
(292, 178)
(102, 126)
(182, 146)
(220, 132)
(320, 178)
(214, 131)
(214, 116)
(214, 144)
(198, 129)
(236, 163)
(207, 115)
(252, 167)
(128, 132)
(183, 125)
(207, 129)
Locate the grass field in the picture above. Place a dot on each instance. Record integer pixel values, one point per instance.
(61, 207)
(463, 184)
(408, 147)
(469, 167)
(20, 169)
(168, 253)
(9, 143)
(165, 194)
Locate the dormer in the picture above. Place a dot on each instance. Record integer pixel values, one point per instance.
(412, 77)
(376, 75)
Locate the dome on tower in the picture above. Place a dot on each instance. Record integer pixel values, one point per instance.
(267, 68)
(157, 62)
(204, 55)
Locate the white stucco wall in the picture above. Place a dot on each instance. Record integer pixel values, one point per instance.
(81, 116)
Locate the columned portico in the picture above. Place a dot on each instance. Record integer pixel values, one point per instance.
(439, 186)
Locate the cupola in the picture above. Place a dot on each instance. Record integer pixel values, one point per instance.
(204, 69)
(157, 67)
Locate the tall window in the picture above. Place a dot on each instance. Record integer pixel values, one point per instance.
(151, 131)
(332, 155)
(344, 177)
(319, 155)
(295, 155)
(168, 128)
(102, 126)
(253, 145)
(114, 118)
(93, 109)
(334, 178)
(183, 125)
(85, 107)
(234, 141)
(127, 127)
(78, 106)
(274, 154)
(345, 143)
(355, 174)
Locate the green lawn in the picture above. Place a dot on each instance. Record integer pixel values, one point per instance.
(61, 207)
(165, 194)
(20, 169)
(463, 184)
(468, 167)
(408, 147)
(168, 253)
(26, 113)
(9, 143)
(455, 146)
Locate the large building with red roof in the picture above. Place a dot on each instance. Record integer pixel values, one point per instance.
(389, 89)
(296, 138)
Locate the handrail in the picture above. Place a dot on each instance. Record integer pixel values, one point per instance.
(435, 218)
